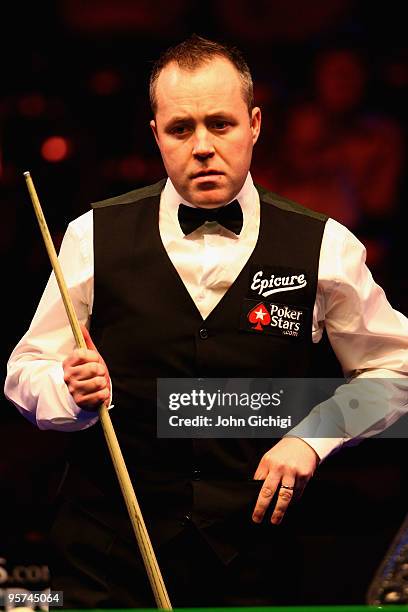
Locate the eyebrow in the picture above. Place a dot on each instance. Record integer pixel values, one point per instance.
(188, 118)
(178, 119)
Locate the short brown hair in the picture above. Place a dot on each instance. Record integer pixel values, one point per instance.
(195, 51)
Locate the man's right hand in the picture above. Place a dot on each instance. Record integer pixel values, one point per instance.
(87, 376)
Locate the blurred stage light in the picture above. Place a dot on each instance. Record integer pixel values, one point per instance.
(31, 105)
(105, 82)
(131, 168)
(55, 149)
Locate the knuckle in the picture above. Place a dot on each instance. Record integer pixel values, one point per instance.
(285, 494)
(278, 465)
(266, 492)
(270, 459)
(102, 394)
(262, 503)
(99, 383)
(93, 369)
(71, 386)
(290, 471)
(77, 397)
(101, 370)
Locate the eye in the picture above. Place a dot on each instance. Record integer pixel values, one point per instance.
(220, 125)
(179, 130)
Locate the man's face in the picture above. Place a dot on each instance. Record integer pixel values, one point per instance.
(204, 132)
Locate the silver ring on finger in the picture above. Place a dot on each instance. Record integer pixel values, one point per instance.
(286, 487)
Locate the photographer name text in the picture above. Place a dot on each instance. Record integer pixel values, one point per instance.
(253, 420)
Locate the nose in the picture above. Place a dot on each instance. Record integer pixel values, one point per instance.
(203, 147)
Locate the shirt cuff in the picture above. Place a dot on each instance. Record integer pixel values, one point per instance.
(56, 408)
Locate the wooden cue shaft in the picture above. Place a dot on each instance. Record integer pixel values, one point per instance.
(135, 514)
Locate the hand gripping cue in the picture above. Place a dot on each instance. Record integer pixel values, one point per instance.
(138, 524)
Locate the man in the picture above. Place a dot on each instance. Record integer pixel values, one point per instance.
(167, 294)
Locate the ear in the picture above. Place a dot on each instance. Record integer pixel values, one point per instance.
(255, 123)
(154, 130)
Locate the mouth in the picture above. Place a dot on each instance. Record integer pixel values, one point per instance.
(206, 173)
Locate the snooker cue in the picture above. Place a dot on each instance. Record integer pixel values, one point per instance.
(135, 514)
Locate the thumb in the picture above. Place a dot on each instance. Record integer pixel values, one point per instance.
(88, 340)
(90, 345)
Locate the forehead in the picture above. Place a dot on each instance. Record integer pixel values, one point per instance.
(212, 84)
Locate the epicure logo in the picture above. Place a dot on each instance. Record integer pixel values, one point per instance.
(276, 283)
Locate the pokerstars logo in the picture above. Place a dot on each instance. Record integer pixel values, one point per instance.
(259, 316)
(277, 319)
(286, 318)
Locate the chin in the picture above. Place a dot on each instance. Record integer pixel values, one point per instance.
(211, 197)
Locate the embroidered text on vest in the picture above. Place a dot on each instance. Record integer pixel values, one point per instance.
(290, 282)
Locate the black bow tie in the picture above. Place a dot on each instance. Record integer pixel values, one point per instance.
(229, 216)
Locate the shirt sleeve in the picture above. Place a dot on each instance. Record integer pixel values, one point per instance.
(370, 340)
(35, 380)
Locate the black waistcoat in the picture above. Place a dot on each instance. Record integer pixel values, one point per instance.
(146, 326)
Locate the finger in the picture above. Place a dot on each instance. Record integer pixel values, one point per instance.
(285, 496)
(261, 471)
(92, 401)
(85, 371)
(85, 387)
(264, 498)
(80, 356)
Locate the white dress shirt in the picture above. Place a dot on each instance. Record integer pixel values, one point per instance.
(369, 338)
